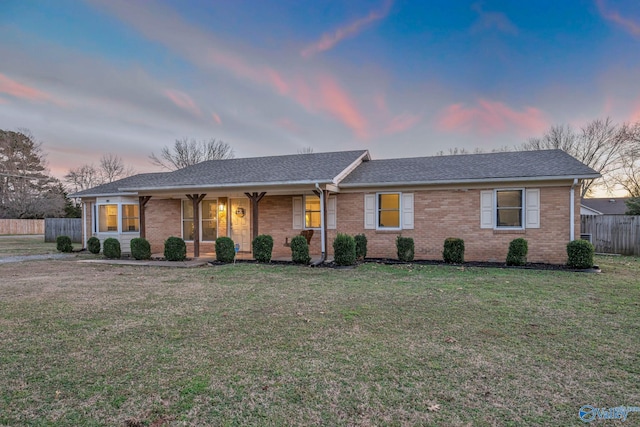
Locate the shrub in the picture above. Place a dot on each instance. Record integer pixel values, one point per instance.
(225, 249)
(361, 246)
(344, 250)
(111, 248)
(175, 249)
(300, 250)
(262, 248)
(140, 248)
(453, 252)
(580, 253)
(518, 249)
(405, 248)
(63, 244)
(93, 244)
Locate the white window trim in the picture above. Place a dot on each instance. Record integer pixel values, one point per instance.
(119, 218)
(304, 212)
(120, 211)
(200, 215)
(377, 212)
(522, 209)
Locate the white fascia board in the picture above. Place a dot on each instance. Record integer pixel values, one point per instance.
(346, 171)
(242, 185)
(466, 181)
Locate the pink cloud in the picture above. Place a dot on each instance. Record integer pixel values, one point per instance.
(3, 101)
(614, 16)
(490, 118)
(329, 40)
(18, 90)
(183, 101)
(401, 123)
(288, 124)
(336, 101)
(635, 114)
(216, 118)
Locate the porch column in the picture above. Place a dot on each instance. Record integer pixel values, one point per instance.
(142, 203)
(196, 199)
(255, 199)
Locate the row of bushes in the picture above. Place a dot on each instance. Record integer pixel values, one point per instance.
(347, 249)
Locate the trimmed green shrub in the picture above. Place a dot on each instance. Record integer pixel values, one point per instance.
(344, 250)
(111, 248)
(93, 244)
(300, 250)
(225, 249)
(63, 244)
(175, 249)
(518, 249)
(405, 248)
(262, 248)
(140, 248)
(453, 252)
(361, 246)
(580, 253)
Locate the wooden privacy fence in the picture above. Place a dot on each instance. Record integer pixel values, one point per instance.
(54, 227)
(613, 234)
(21, 226)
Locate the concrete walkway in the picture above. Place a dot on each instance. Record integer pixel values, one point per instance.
(21, 258)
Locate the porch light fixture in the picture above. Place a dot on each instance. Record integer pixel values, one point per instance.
(221, 207)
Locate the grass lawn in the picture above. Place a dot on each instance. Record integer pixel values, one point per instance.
(26, 245)
(87, 344)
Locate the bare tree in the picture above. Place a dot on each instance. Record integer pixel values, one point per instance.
(186, 152)
(628, 176)
(83, 177)
(113, 168)
(305, 150)
(599, 144)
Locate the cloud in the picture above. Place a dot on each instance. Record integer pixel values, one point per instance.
(329, 40)
(216, 118)
(15, 89)
(614, 16)
(336, 101)
(401, 123)
(491, 118)
(183, 101)
(492, 20)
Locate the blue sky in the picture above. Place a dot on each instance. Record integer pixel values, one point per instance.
(400, 78)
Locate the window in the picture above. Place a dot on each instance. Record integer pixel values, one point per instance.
(312, 212)
(509, 208)
(130, 218)
(389, 210)
(208, 220)
(107, 218)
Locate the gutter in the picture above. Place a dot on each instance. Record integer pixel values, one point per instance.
(572, 194)
(323, 243)
(487, 180)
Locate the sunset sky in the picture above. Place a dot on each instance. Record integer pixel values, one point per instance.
(400, 78)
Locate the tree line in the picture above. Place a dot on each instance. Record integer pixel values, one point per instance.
(28, 191)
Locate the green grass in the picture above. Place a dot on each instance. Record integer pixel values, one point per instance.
(86, 344)
(26, 245)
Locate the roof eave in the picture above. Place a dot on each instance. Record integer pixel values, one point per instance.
(467, 181)
(230, 186)
(111, 194)
(346, 171)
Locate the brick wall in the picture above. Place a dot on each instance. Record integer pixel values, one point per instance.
(456, 213)
(438, 214)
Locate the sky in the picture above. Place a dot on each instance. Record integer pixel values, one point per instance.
(399, 78)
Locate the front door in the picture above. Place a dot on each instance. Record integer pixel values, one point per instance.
(241, 223)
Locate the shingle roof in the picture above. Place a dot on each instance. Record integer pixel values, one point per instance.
(113, 188)
(517, 165)
(607, 205)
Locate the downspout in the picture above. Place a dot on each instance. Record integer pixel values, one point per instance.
(84, 225)
(323, 243)
(572, 233)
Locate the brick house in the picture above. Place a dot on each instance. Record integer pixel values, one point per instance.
(485, 199)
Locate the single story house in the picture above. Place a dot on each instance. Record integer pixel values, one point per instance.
(603, 206)
(485, 199)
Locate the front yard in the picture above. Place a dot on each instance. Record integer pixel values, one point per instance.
(87, 344)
